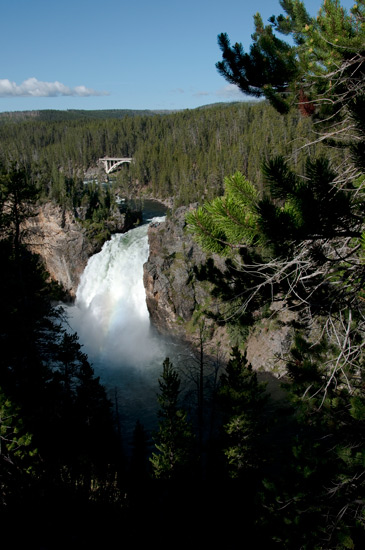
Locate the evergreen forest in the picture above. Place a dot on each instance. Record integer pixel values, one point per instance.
(182, 156)
(278, 191)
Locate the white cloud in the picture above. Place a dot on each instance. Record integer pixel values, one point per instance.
(231, 91)
(36, 88)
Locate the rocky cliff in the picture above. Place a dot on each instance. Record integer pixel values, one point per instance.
(176, 300)
(64, 244)
(174, 296)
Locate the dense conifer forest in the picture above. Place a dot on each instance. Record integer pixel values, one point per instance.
(289, 220)
(183, 155)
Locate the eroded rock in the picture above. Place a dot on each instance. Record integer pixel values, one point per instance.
(61, 241)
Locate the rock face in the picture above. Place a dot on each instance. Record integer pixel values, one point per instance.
(270, 340)
(175, 298)
(63, 244)
(169, 297)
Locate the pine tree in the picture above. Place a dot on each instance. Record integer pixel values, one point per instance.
(304, 240)
(174, 439)
(321, 71)
(317, 497)
(242, 399)
(18, 456)
(48, 389)
(18, 196)
(307, 229)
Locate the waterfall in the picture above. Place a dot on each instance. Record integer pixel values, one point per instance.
(111, 318)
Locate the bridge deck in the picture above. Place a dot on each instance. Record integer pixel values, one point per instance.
(112, 163)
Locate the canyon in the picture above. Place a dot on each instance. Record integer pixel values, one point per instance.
(175, 298)
(178, 301)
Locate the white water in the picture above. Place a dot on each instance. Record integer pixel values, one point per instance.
(111, 318)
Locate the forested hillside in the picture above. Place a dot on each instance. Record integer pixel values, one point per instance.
(184, 155)
(52, 115)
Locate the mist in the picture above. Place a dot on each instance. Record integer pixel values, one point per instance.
(111, 318)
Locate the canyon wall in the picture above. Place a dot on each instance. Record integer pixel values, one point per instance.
(176, 300)
(174, 297)
(64, 244)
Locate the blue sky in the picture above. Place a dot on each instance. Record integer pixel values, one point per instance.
(118, 54)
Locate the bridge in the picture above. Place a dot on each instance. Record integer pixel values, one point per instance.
(111, 163)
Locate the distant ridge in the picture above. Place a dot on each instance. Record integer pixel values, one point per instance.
(53, 115)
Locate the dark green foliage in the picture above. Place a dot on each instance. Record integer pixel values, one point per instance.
(297, 229)
(18, 454)
(174, 439)
(182, 154)
(242, 399)
(266, 71)
(324, 62)
(18, 196)
(309, 207)
(318, 496)
(56, 425)
(297, 208)
(357, 147)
